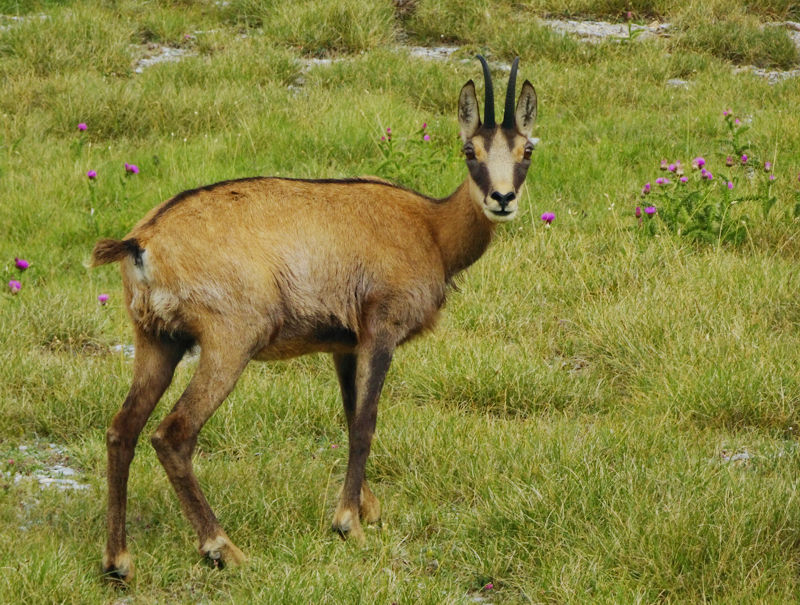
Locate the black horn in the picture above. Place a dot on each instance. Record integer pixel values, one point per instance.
(511, 93)
(488, 110)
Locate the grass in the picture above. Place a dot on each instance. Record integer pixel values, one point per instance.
(566, 434)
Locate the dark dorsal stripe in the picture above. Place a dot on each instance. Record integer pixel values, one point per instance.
(511, 93)
(488, 110)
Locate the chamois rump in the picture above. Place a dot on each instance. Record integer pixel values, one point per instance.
(272, 268)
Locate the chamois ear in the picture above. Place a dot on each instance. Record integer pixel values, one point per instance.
(525, 114)
(468, 118)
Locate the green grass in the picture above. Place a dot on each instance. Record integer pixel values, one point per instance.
(564, 434)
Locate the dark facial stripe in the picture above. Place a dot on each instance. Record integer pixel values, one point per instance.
(520, 172)
(480, 174)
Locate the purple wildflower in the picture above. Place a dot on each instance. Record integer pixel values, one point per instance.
(131, 168)
(664, 164)
(92, 175)
(772, 177)
(650, 210)
(737, 121)
(698, 162)
(727, 112)
(548, 217)
(646, 188)
(744, 158)
(82, 127)
(638, 212)
(662, 181)
(102, 298)
(427, 137)
(684, 179)
(767, 166)
(383, 138)
(14, 286)
(21, 263)
(707, 175)
(424, 125)
(672, 167)
(730, 184)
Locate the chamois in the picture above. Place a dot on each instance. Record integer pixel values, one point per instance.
(271, 268)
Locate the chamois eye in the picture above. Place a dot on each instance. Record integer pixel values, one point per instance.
(469, 152)
(528, 151)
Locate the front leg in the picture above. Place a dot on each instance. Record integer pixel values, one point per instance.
(366, 372)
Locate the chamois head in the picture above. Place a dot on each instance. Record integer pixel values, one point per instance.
(497, 156)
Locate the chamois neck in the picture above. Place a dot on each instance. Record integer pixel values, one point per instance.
(462, 231)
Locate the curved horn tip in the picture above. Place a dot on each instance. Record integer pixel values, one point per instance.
(488, 110)
(511, 92)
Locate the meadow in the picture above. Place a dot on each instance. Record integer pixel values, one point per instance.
(608, 409)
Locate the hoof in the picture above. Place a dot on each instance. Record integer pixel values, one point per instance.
(347, 525)
(118, 569)
(221, 553)
(370, 509)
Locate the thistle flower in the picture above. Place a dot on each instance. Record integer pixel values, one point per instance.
(14, 286)
(664, 164)
(662, 181)
(83, 127)
(684, 179)
(102, 298)
(548, 217)
(698, 162)
(131, 168)
(424, 125)
(772, 177)
(729, 161)
(730, 184)
(673, 167)
(744, 158)
(650, 210)
(727, 112)
(646, 188)
(92, 174)
(767, 166)
(21, 263)
(707, 175)
(427, 137)
(638, 212)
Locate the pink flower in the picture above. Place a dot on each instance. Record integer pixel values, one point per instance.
(102, 298)
(744, 158)
(646, 189)
(650, 210)
(727, 112)
(684, 179)
(14, 286)
(548, 217)
(662, 181)
(772, 177)
(489, 586)
(427, 137)
(767, 166)
(21, 263)
(672, 167)
(424, 125)
(730, 184)
(664, 164)
(638, 212)
(82, 127)
(92, 174)
(131, 168)
(698, 162)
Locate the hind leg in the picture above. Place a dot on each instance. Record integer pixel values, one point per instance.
(153, 368)
(221, 363)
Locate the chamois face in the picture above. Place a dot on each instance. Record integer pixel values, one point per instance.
(497, 156)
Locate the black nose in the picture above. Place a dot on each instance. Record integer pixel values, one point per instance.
(503, 199)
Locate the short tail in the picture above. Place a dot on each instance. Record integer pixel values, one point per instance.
(113, 250)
